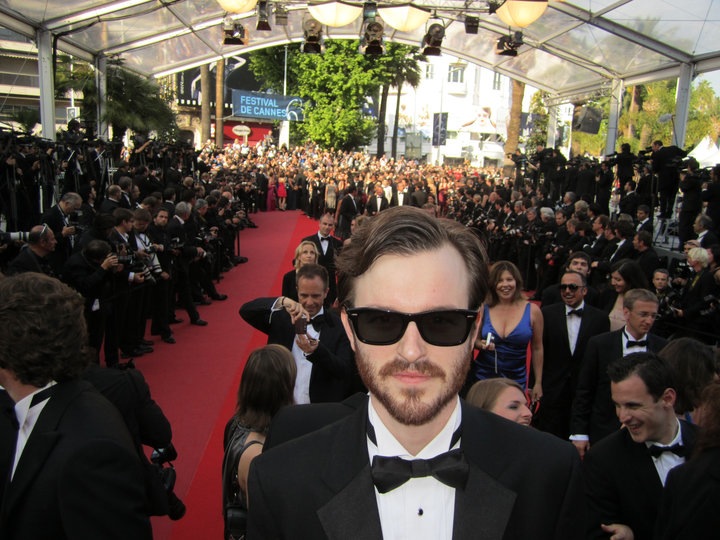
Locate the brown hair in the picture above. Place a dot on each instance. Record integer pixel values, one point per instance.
(404, 230)
(298, 250)
(710, 422)
(43, 335)
(267, 385)
(484, 394)
(695, 367)
(496, 272)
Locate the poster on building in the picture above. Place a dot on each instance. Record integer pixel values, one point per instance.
(267, 106)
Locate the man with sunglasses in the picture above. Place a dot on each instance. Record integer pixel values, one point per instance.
(569, 325)
(414, 461)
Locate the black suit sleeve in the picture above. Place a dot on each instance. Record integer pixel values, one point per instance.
(338, 362)
(108, 479)
(257, 313)
(602, 500)
(586, 388)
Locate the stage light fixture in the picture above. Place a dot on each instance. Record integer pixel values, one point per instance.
(472, 24)
(263, 16)
(372, 41)
(281, 15)
(370, 11)
(433, 39)
(509, 45)
(313, 43)
(234, 32)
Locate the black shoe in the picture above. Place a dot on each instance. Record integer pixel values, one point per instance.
(199, 322)
(132, 354)
(175, 320)
(144, 348)
(204, 301)
(240, 260)
(169, 339)
(219, 297)
(147, 342)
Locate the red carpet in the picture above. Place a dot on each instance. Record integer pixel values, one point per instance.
(195, 381)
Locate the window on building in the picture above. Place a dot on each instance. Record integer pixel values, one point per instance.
(429, 71)
(497, 81)
(456, 73)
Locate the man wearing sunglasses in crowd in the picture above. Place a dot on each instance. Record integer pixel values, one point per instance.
(569, 325)
(414, 461)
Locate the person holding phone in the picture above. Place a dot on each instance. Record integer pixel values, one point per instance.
(325, 363)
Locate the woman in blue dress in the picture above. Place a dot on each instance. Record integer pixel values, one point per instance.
(509, 324)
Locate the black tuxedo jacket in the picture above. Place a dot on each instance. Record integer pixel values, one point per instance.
(328, 261)
(593, 412)
(622, 484)
(79, 475)
(689, 507)
(522, 484)
(372, 204)
(334, 373)
(108, 206)
(561, 367)
(709, 239)
(647, 226)
(407, 199)
(649, 262)
(55, 219)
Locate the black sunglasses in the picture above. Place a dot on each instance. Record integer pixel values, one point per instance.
(571, 286)
(442, 328)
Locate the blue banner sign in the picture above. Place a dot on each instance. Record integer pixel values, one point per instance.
(268, 106)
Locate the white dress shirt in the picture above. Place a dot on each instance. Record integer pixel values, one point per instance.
(422, 507)
(667, 460)
(573, 325)
(27, 417)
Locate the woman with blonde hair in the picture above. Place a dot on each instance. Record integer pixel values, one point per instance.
(502, 397)
(305, 253)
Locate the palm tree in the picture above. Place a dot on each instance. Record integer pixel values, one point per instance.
(513, 128)
(408, 72)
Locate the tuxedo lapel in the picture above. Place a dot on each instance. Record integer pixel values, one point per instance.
(41, 442)
(353, 512)
(483, 508)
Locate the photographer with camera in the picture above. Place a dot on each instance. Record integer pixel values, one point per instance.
(127, 284)
(691, 187)
(35, 255)
(62, 218)
(90, 273)
(699, 291)
(665, 160)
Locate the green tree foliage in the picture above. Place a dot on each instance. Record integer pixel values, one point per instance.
(334, 87)
(133, 102)
(640, 123)
(539, 132)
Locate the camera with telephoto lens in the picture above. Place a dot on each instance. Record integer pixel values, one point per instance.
(161, 458)
(7, 237)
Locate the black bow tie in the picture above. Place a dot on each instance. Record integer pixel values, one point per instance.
(631, 343)
(677, 449)
(317, 321)
(324, 238)
(577, 312)
(450, 468)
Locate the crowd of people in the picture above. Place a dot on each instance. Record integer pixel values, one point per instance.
(545, 282)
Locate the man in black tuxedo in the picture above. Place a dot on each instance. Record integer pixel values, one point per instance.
(314, 335)
(402, 195)
(703, 227)
(625, 473)
(593, 414)
(644, 223)
(377, 202)
(75, 472)
(413, 341)
(111, 200)
(665, 160)
(569, 325)
(346, 212)
(645, 254)
(328, 246)
(578, 261)
(58, 218)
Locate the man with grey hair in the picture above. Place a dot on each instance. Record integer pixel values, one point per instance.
(62, 219)
(413, 460)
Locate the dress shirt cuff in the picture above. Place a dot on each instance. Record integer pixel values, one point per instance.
(278, 305)
(579, 437)
(131, 277)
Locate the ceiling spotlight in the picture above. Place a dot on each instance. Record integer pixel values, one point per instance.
(263, 16)
(433, 40)
(234, 33)
(372, 41)
(370, 11)
(281, 15)
(509, 45)
(313, 43)
(472, 24)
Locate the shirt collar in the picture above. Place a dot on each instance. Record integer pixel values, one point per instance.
(22, 407)
(676, 440)
(568, 309)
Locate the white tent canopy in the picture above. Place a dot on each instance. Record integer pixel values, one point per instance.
(706, 153)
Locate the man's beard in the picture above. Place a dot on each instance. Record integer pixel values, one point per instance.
(408, 407)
